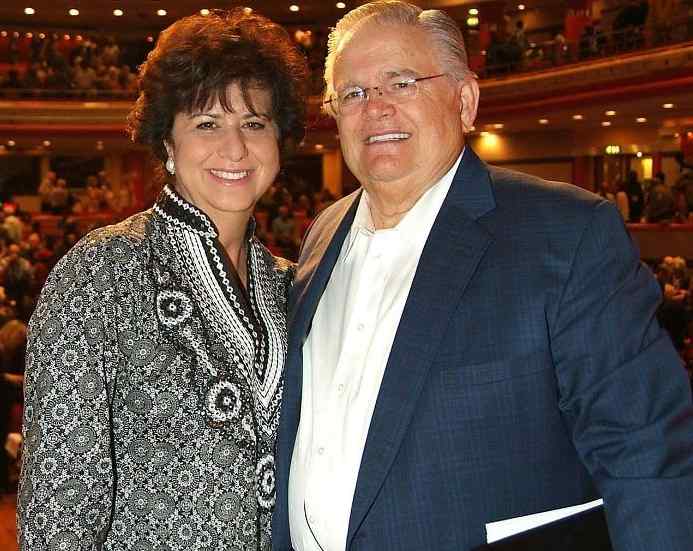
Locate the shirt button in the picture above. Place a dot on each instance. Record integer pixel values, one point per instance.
(321, 450)
(360, 326)
(340, 388)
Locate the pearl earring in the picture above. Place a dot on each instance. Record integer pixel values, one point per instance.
(171, 166)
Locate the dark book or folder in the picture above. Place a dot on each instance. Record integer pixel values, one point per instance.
(585, 531)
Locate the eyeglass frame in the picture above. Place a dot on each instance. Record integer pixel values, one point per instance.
(333, 102)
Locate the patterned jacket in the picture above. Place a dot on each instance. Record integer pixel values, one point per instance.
(153, 384)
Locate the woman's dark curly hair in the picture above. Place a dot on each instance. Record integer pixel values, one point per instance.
(198, 57)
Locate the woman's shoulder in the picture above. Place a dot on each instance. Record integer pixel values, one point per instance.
(132, 230)
(119, 247)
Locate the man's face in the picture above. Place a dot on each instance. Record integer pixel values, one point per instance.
(417, 140)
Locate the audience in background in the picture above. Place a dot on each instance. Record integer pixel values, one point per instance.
(94, 66)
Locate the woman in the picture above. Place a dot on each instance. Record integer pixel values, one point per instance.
(156, 351)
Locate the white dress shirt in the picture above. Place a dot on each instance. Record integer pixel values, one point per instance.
(344, 358)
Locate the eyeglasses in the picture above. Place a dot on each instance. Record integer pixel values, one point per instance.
(397, 89)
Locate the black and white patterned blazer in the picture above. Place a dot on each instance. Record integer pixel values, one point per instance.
(153, 384)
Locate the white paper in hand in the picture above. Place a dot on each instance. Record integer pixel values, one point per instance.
(505, 528)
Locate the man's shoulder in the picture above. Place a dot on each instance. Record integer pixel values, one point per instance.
(513, 189)
(335, 212)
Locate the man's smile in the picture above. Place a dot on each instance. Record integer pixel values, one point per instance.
(388, 137)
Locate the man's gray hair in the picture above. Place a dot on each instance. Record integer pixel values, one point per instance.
(444, 33)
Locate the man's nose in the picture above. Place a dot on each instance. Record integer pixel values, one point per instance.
(233, 145)
(378, 104)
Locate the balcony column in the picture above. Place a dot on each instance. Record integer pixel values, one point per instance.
(134, 168)
(582, 172)
(491, 19)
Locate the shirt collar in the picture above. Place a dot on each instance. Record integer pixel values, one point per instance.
(180, 212)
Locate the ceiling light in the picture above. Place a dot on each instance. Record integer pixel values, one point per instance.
(341, 5)
(118, 12)
(498, 125)
(204, 11)
(319, 146)
(29, 11)
(248, 11)
(521, 7)
(294, 7)
(73, 12)
(641, 119)
(473, 11)
(42, 36)
(638, 154)
(66, 36)
(3, 34)
(606, 123)
(543, 121)
(610, 113)
(78, 37)
(29, 35)
(472, 21)
(161, 13)
(11, 143)
(668, 105)
(46, 143)
(578, 117)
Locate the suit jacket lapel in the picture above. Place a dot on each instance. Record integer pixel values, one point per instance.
(322, 248)
(455, 246)
(315, 270)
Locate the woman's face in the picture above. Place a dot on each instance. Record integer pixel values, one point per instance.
(224, 160)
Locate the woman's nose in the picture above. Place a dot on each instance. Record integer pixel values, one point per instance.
(233, 146)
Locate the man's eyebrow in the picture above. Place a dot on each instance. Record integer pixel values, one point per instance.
(400, 72)
(384, 74)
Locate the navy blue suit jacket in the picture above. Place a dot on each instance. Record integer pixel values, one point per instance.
(528, 373)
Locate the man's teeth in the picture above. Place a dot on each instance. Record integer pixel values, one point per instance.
(388, 137)
(236, 175)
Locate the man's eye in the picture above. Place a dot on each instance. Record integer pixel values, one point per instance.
(352, 95)
(206, 125)
(403, 84)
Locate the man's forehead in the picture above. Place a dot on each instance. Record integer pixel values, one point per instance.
(382, 47)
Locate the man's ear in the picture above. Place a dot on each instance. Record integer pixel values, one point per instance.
(469, 102)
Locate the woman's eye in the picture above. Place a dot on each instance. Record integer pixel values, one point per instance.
(207, 125)
(254, 125)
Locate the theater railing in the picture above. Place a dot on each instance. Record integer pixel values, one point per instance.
(660, 240)
(498, 60)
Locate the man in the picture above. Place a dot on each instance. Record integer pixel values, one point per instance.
(468, 344)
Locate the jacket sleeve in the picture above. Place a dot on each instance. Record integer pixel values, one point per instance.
(623, 391)
(67, 481)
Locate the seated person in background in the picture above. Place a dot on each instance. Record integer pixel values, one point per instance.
(46, 188)
(14, 227)
(661, 202)
(284, 230)
(58, 199)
